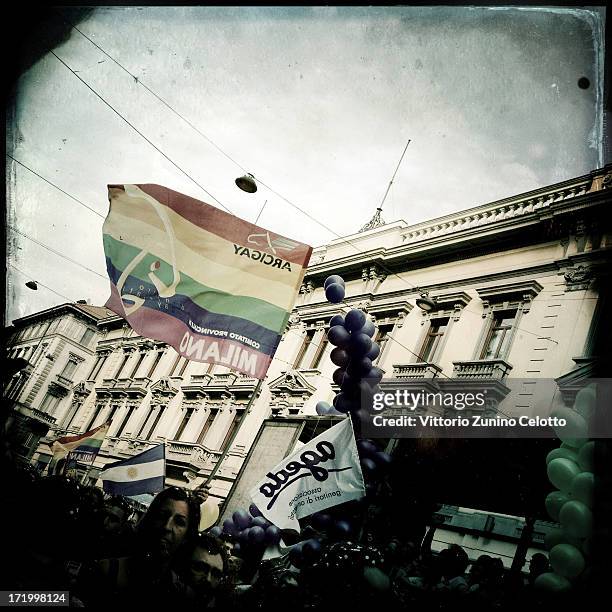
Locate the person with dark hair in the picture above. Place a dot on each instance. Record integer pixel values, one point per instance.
(148, 576)
(206, 569)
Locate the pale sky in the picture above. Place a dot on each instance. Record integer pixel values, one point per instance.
(318, 102)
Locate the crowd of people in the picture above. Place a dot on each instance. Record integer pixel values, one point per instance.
(64, 536)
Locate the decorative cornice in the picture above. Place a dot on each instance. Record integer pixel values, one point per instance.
(518, 290)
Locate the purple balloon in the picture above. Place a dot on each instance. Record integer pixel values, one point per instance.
(295, 555)
(382, 459)
(368, 465)
(334, 293)
(359, 344)
(361, 415)
(359, 366)
(322, 408)
(321, 520)
(311, 549)
(342, 529)
(366, 448)
(374, 352)
(273, 535)
(338, 376)
(237, 548)
(242, 519)
(338, 336)
(334, 278)
(339, 357)
(354, 320)
(229, 527)
(256, 535)
(337, 319)
(343, 403)
(216, 531)
(260, 521)
(368, 328)
(243, 536)
(254, 510)
(374, 376)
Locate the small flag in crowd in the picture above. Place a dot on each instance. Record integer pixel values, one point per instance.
(142, 473)
(215, 287)
(321, 474)
(83, 448)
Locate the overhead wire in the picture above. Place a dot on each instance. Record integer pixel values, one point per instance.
(257, 178)
(39, 283)
(140, 133)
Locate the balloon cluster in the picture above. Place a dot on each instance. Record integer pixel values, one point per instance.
(354, 353)
(570, 470)
(250, 531)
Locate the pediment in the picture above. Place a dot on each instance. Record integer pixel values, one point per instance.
(163, 386)
(292, 383)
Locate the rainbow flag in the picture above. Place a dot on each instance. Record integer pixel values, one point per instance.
(83, 447)
(215, 287)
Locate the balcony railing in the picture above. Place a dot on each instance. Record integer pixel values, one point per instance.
(63, 381)
(481, 368)
(416, 370)
(34, 413)
(190, 452)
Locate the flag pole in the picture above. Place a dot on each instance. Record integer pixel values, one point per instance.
(234, 435)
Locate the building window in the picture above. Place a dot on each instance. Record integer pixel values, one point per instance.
(382, 338)
(97, 367)
(233, 427)
(302, 352)
(69, 368)
(158, 417)
(88, 334)
(140, 359)
(112, 413)
(498, 337)
(157, 359)
(320, 352)
(209, 421)
(49, 404)
(188, 414)
(127, 417)
(433, 339)
(126, 356)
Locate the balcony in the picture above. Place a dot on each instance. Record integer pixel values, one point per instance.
(60, 385)
(192, 454)
(481, 368)
(37, 415)
(123, 387)
(416, 370)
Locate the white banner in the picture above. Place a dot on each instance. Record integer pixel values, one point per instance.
(323, 473)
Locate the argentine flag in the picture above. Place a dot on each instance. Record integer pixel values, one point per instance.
(142, 473)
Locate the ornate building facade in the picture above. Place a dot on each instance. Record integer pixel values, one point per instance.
(519, 288)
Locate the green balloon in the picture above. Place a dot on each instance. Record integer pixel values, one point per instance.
(576, 519)
(566, 560)
(582, 488)
(561, 473)
(562, 453)
(377, 579)
(552, 582)
(554, 501)
(585, 402)
(585, 456)
(558, 536)
(576, 429)
(587, 547)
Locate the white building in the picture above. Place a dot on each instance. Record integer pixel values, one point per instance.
(520, 286)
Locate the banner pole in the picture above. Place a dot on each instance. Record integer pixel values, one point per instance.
(234, 435)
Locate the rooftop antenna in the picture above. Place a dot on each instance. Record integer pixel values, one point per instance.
(377, 220)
